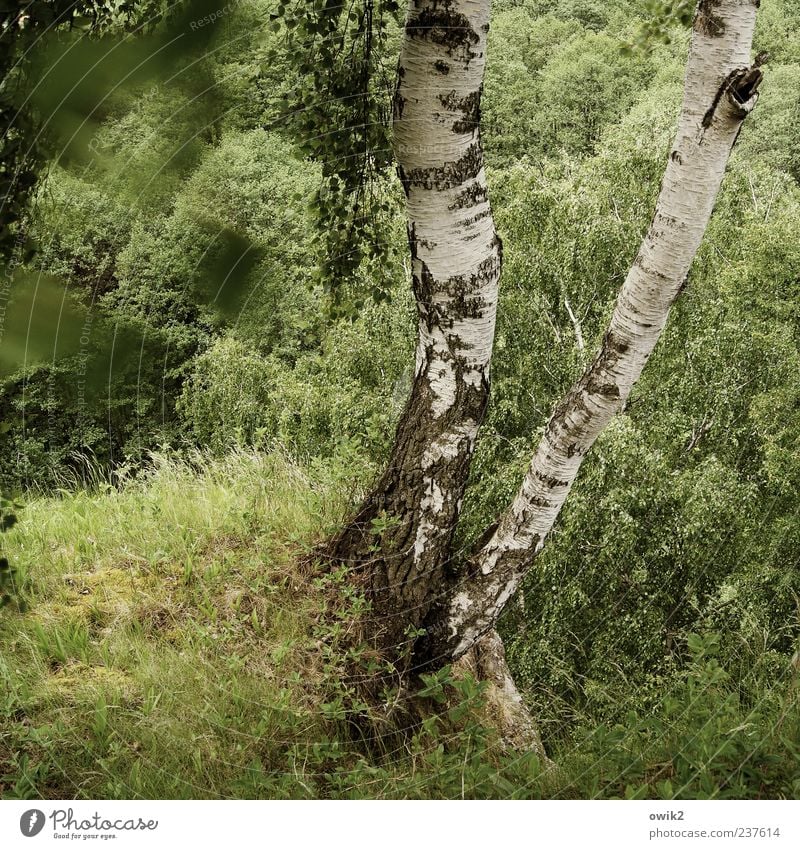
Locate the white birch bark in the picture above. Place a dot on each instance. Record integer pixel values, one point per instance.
(455, 252)
(455, 268)
(719, 91)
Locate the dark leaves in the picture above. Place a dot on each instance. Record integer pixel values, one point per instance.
(9, 589)
(661, 19)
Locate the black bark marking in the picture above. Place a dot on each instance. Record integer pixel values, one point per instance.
(468, 222)
(608, 390)
(497, 242)
(451, 174)
(471, 196)
(424, 287)
(412, 239)
(442, 67)
(464, 299)
(399, 101)
(615, 344)
(404, 181)
(469, 107)
(451, 30)
(639, 262)
(549, 481)
(594, 381)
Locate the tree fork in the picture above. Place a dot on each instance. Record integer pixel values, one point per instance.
(719, 92)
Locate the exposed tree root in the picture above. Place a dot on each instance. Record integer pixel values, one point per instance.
(486, 661)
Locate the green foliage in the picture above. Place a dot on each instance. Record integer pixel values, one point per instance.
(559, 91)
(703, 740)
(344, 57)
(237, 394)
(21, 154)
(48, 113)
(770, 142)
(656, 638)
(661, 18)
(776, 31)
(227, 399)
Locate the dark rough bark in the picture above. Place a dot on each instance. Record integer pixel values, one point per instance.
(379, 541)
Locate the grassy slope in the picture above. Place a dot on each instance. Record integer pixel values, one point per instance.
(173, 648)
(165, 648)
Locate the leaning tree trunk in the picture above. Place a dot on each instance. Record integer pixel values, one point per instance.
(720, 90)
(400, 540)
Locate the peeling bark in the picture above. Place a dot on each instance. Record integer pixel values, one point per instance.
(400, 540)
(720, 90)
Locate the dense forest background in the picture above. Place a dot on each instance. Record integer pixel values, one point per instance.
(207, 407)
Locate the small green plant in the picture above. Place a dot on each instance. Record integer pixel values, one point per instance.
(379, 525)
(62, 642)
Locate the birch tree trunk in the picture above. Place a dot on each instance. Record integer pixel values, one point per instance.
(720, 90)
(401, 538)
